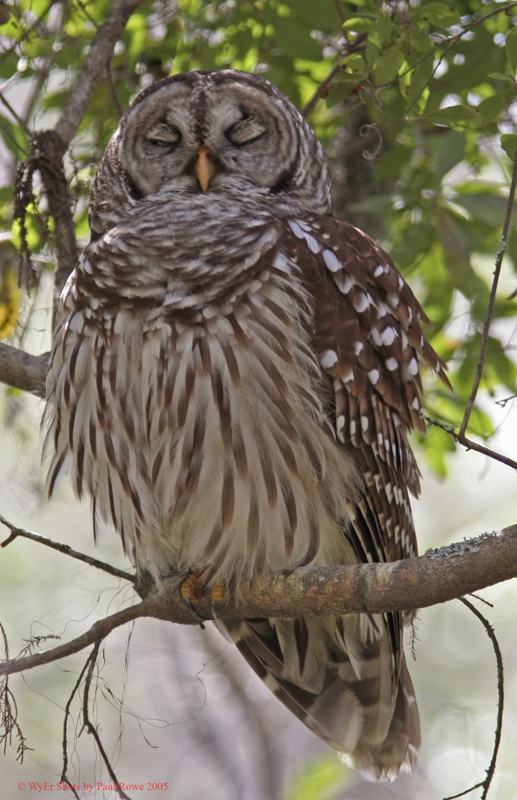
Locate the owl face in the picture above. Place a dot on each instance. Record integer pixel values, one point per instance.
(219, 131)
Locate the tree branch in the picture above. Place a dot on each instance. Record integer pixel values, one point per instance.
(22, 370)
(436, 577)
(94, 66)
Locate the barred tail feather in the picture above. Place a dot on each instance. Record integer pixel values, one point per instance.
(398, 752)
(345, 701)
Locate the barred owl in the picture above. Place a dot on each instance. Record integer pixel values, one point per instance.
(232, 381)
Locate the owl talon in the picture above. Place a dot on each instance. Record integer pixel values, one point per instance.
(191, 590)
(218, 593)
(193, 610)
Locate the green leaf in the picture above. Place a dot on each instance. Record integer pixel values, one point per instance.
(486, 207)
(369, 5)
(438, 14)
(492, 107)
(388, 63)
(353, 65)
(418, 80)
(319, 16)
(340, 91)
(358, 24)
(509, 144)
(456, 252)
(451, 147)
(498, 76)
(457, 117)
(381, 33)
(511, 49)
(436, 445)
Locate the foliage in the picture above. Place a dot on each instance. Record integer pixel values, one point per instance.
(430, 87)
(320, 781)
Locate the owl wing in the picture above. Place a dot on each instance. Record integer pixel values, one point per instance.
(369, 341)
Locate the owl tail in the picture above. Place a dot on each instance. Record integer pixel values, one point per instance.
(337, 675)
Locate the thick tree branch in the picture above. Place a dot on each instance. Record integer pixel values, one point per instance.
(22, 370)
(96, 62)
(436, 577)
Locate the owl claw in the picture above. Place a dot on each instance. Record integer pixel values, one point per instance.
(193, 610)
(218, 593)
(191, 590)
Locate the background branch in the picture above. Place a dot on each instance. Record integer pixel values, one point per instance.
(500, 703)
(19, 369)
(62, 548)
(95, 64)
(22, 370)
(486, 327)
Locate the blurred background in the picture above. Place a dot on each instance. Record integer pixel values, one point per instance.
(414, 103)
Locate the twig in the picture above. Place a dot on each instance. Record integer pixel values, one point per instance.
(74, 691)
(47, 150)
(11, 110)
(98, 631)
(9, 712)
(486, 327)
(500, 703)
(466, 791)
(63, 548)
(438, 576)
(306, 110)
(471, 445)
(505, 400)
(91, 728)
(339, 11)
(327, 80)
(113, 91)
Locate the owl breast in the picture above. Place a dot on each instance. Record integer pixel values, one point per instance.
(195, 414)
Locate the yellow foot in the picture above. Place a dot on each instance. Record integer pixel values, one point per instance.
(191, 591)
(218, 593)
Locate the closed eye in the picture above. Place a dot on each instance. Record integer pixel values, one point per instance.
(245, 132)
(162, 142)
(164, 136)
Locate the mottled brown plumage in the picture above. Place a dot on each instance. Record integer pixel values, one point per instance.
(233, 379)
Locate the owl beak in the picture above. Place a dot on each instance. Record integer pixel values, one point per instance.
(204, 167)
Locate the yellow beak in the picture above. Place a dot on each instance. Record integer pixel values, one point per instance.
(204, 168)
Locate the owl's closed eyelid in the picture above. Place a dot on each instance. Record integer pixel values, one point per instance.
(164, 135)
(245, 132)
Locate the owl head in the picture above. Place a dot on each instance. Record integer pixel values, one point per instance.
(222, 131)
